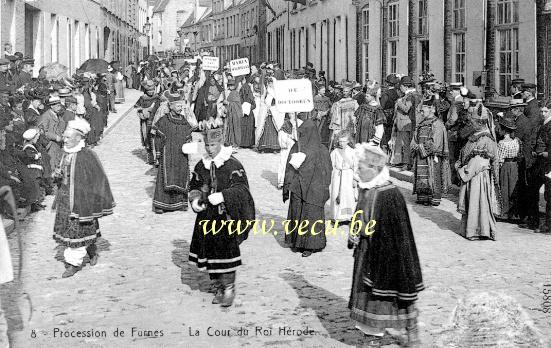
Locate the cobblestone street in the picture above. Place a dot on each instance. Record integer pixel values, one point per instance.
(143, 282)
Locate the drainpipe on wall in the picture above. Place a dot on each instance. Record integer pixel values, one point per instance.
(484, 48)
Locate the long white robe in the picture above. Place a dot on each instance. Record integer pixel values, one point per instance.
(342, 184)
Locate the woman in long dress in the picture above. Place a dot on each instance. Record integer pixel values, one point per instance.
(247, 121)
(343, 188)
(273, 121)
(478, 169)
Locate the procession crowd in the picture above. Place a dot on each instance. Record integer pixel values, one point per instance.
(338, 155)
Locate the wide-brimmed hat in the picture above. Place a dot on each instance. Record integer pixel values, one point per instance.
(508, 121)
(29, 134)
(516, 103)
(64, 92)
(54, 101)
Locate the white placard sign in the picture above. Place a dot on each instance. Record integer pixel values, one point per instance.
(294, 95)
(239, 67)
(211, 63)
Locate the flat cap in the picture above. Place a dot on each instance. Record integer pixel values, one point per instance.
(529, 86)
(518, 82)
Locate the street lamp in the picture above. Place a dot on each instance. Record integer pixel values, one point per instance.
(147, 31)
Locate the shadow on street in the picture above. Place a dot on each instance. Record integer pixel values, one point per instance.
(269, 176)
(190, 275)
(331, 309)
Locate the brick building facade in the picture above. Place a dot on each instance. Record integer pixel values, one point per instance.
(71, 32)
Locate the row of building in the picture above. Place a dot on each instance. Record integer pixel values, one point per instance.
(483, 43)
(70, 32)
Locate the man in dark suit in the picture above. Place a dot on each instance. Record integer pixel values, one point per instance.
(32, 113)
(530, 196)
(26, 74)
(516, 88)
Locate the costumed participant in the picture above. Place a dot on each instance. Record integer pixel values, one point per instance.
(286, 137)
(509, 156)
(370, 116)
(219, 190)
(306, 186)
(232, 131)
(172, 131)
(387, 274)
(342, 113)
(207, 100)
(478, 169)
(456, 120)
(429, 148)
(388, 103)
(52, 125)
(83, 197)
(343, 189)
(147, 106)
(247, 121)
(404, 123)
(273, 121)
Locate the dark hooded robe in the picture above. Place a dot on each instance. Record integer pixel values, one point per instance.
(83, 196)
(387, 274)
(219, 253)
(173, 174)
(308, 189)
(247, 121)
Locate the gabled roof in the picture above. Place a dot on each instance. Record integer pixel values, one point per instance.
(160, 6)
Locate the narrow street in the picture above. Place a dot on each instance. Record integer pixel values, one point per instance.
(143, 282)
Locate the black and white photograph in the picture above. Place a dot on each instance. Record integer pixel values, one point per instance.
(275, 173)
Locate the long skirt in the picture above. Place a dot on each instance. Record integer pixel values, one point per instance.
(428, 186)
(509, 184)
(299, 211)
(97, 124)
(478, 220)
(401, 154)
(216, 253)
(167, 200)
(376, 311)
(247, 131)
(269, 139)
(344, 190)
(119, 88)
(324, 131)
(69, 231)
